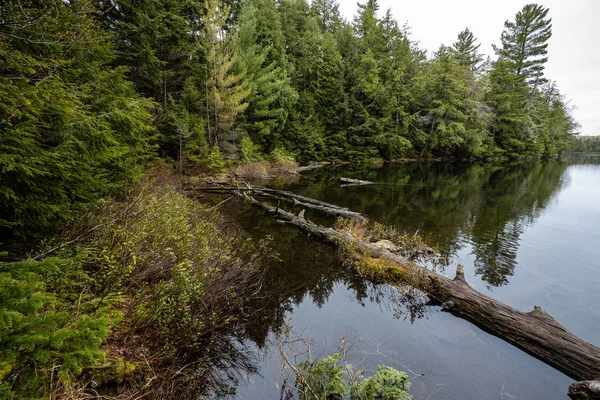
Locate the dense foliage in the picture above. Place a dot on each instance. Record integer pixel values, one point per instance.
(90, 89)
(72, 127)
(328, 378)
(294, 74)
(148, 293)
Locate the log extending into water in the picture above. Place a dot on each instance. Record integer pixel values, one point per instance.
(534, 332)
(296, 199)
(312, 165)
(355, 181)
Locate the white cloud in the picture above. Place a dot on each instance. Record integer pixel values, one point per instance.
(574, 50)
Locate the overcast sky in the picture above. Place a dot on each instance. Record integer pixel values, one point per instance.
(574, 49)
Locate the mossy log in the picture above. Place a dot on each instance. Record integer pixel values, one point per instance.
(534, 332)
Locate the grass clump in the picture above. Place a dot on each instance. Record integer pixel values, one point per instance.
(411, 248)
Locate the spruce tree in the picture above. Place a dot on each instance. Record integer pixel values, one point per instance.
(271, 95)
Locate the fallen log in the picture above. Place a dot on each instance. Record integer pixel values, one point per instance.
(355, 181)
(312, 165)
(534, 332)
(296, 199)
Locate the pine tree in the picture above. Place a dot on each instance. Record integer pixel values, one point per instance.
(525, 41)
(226, 89)
(466, 50)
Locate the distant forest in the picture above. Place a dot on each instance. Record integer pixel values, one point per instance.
(93, 91)
(588, 144)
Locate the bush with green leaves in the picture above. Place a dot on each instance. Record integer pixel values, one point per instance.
(327, 379)
(48, 332)
(185, 275)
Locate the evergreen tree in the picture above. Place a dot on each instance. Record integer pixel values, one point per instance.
(327, 13)
(554, 122)
(73, 128)
(448, 118)
(226, 89)
(271, 95)
(525, 41)
(41, 330)
(466, 50)
(155, 40)
(507, 98)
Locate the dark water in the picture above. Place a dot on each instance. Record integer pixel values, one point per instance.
(528, 234)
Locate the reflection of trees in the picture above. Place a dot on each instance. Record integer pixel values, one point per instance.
(309, 269)
(302, 268)
(487, 204)
(514, 196)
(496, 253)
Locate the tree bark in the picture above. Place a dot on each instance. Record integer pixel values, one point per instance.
(534, 332)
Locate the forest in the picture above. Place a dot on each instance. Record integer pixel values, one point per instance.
(94, 91)
(99, 98)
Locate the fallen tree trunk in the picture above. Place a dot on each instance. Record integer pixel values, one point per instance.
(355, 181)
(534, 332)
(312, 165)
(296, 199)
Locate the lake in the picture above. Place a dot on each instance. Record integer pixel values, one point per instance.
(527, 234)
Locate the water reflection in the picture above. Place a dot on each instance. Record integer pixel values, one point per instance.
(487, 206)
(484, 210)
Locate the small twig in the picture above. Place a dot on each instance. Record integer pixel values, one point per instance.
(224, 201)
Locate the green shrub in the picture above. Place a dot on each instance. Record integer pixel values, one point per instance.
(249, 151)
(326, 379)
(185, 274)
(387, 384)
(323, 379)
(43, 335)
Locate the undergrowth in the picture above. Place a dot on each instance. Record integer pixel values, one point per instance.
(146, 298)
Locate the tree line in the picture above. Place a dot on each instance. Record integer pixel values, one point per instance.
(91, 90)
(588, 144)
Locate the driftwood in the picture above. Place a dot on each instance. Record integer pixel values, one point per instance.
(282, 195)
(355, 181)
(312, 165)
(534, 332)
